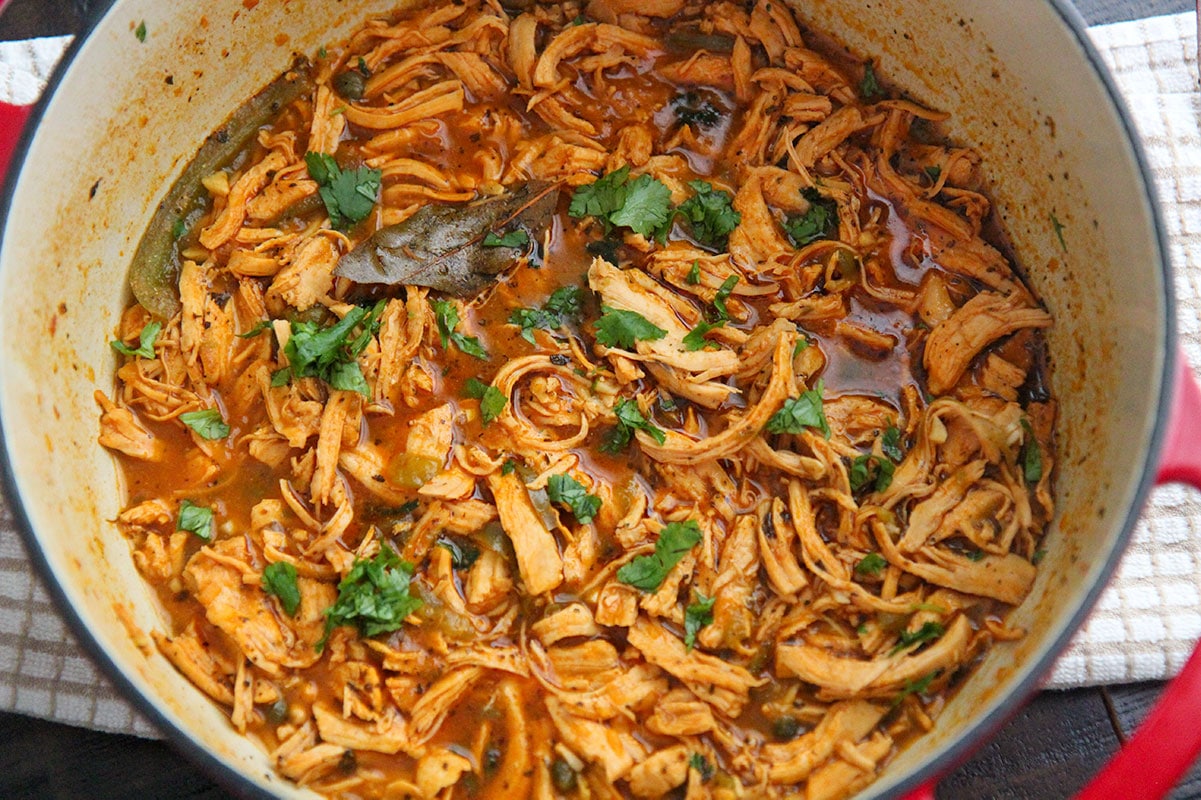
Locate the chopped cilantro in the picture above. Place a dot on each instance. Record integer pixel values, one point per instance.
(692, 109)
(701, 764)
(802, 344)
(1058, 228)
(567, 491)
(492, 400)
(462, 553)
(643, 204)
(1038, 556)
(723, 294)
(514, 238)
(1031, 456)
(976, 555)
(331, 353)
(695, 339)
(629, 419)
(869, 87)
(871, 564)
(508, 467)
(927, 633)
(801, 412)
(696, 616)
(374, 596)
(694, 274)
(195, 519)
(207, 423)
(447, 314)
(565, 302)
(816, 223)
(934, 172)
(711, 214)
(891, 444)
(179, 227)
(146, 340)
(140, 31)
(618, 328)
(279, 579)
(648, 572)
(349, 195)
(259, 327)
(868, 468)
(915, 687)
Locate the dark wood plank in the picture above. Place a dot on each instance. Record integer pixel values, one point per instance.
(1130, 705)
(1047, 752)
(45, 761)
(30, 19)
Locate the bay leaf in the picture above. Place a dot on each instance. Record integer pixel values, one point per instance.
(442, 246)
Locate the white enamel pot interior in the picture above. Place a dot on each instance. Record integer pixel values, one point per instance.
(122, 118)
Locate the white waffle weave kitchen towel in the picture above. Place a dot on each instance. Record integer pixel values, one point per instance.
(1146, 622)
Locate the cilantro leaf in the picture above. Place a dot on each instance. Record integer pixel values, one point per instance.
(692, 109)
(869, 87)
(891, 444)
(695, 339)
(447, 314)
(514, 238)
(871, 564)
(349, 195)
(927, 633)
(195, 519)
(207, 423)
(600, 198)
(259, 327)
(868, 468)
(374, 596)
(492, 400)
(1031, 456)
(140, 31)
(934, 172)
(146, 340)
(816, 223)
(711, 214)
(723, 294)
(801, 412)
(279, 579)
(643, 205)
(566, 490)
(331, 353)
(696, 616)
(531, 319)
(462, 554)
(694, 274)
(701, 764)
(564, 303)
(618, 328)
(915, 687)
(629, 419)
(647, 207)
(508, 467)
(648, 572)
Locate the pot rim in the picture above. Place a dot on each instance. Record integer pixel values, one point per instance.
(977, 732)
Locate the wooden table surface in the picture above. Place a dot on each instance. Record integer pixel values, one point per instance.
(1046, 752)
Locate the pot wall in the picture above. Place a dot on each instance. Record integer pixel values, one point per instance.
(117, 132)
